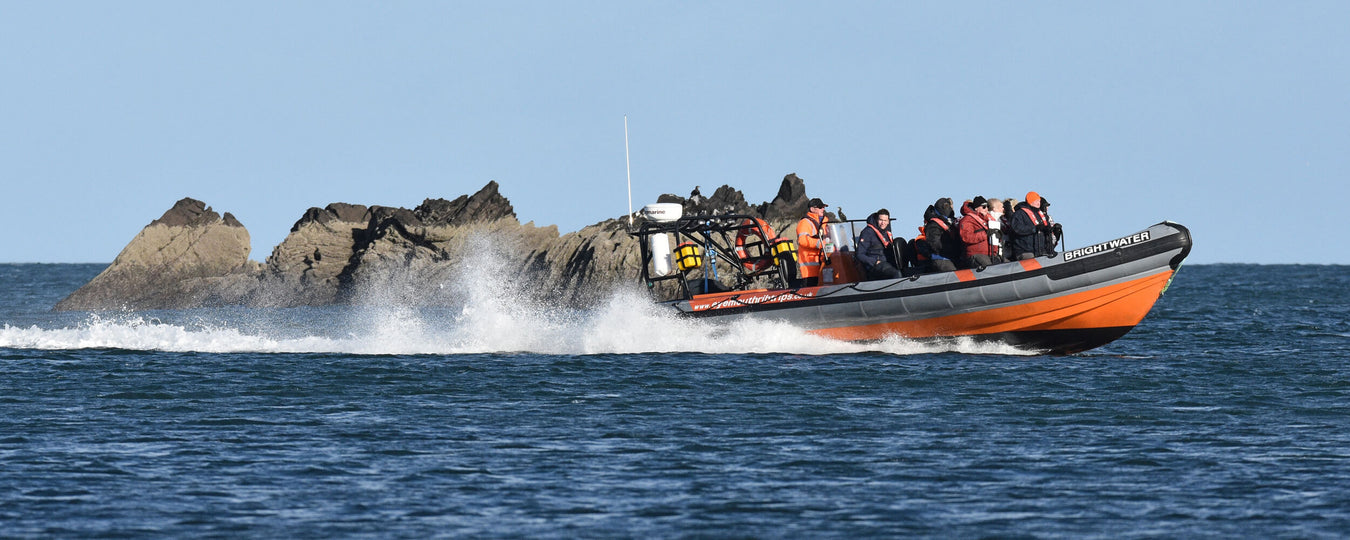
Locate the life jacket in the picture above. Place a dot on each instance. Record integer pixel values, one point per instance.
(946, 230)
(885, 236)
(1040, 243)
(883, 247)
(1038, 217)
(922, 250)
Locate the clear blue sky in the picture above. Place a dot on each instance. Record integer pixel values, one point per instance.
(1232, 118)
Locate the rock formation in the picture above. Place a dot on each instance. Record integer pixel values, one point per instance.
(179, 260)
(353, 254)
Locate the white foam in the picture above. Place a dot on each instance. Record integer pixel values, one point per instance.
(493, 316)
(136, 332)
(628, 323)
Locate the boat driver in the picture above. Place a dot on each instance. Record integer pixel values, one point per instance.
(810, 243)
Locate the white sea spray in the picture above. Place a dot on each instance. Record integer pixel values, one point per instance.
(480, 306)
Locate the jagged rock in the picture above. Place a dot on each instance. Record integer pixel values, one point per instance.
(782, 213)
(305, 267)
(582, 267)
(434, 254)
(486, 206)
(337, 251)
(176, 261)
(789, 205)
(432, 266)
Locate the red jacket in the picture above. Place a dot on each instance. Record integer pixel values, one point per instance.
(975, 234)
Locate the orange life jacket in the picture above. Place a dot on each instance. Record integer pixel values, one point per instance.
(919, 255)
(885, 236)
(1038, 217)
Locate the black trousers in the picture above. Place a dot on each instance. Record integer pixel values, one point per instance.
(941, 265)
(812, 281)
(977, 261)
(882, 270)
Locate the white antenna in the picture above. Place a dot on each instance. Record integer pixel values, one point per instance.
(629, 166)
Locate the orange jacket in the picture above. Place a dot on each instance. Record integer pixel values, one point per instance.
(810, 247)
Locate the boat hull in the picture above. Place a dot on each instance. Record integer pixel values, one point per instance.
(1062, 304)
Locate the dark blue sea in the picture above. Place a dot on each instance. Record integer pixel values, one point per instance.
(1226, 413)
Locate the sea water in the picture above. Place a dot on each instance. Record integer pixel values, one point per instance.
(1226, 413)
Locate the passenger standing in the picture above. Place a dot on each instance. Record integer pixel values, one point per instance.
(874, 244)
(1054, 232)
(995, 225)
(1008, 206)
(1030, 229)
(810, 243)
(975, 235)
(940, 230)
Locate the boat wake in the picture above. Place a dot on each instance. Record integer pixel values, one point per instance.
(627, 324)
(473, 315)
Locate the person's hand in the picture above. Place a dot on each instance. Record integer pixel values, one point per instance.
(1059, 229)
